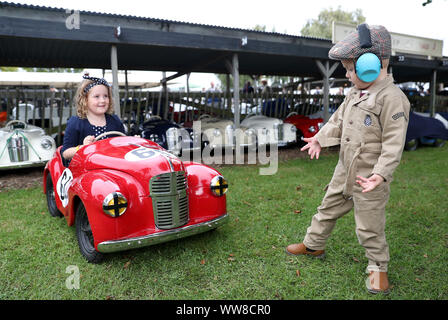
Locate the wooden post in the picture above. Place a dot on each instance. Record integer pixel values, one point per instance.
(236, 90)
(432, 103)
(115, 84)
(326, 71)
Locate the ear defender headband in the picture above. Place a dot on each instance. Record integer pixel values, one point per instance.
(95, 82)
(368, 65)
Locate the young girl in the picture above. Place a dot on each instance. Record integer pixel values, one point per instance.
(94, 116)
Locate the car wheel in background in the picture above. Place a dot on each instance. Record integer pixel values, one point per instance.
(439, 143)
(85, 236)
(411, 145)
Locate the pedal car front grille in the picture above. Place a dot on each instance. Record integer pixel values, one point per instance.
(169, 198)
(17, 149)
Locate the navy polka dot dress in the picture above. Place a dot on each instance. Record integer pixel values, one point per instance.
(99, 130)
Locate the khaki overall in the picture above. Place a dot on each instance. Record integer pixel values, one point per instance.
(371, 130)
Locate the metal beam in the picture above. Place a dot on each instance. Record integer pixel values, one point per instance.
(236, 89)
(433, 84)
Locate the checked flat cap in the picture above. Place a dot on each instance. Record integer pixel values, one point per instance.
(350, 47)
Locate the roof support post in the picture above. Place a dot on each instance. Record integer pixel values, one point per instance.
(233, 68)
(326, 71)
(432, 99)
(115, 84)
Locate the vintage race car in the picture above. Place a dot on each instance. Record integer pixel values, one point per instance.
(168, 135)
(24, 145)
(270, 130)
(425, 130)
(127, 192)
(220, 133)
(306, 126)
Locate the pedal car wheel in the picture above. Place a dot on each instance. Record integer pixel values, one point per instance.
(85, 236)
(299, 136)
(51, 200)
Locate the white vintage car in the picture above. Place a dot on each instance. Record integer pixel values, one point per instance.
(270, 130)
(24, 145)
(219, 133)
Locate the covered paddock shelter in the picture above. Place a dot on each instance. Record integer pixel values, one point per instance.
(33, 36)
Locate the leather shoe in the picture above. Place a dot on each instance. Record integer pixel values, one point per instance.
(377, 282)
(300, 249)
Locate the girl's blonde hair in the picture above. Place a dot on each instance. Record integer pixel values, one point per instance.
(81, 99)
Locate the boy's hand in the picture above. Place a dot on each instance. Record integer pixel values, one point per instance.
(313, 147)
(88, 140)
(368, 184)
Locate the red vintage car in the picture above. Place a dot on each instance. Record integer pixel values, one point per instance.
(306, 126)
(128, 192)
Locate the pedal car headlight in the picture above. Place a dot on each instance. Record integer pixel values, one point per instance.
(46, 143)
(219, 186)
(311, 129)
(115, 204)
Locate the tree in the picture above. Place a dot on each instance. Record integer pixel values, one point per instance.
(322, 26)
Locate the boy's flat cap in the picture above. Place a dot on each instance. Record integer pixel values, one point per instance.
(350, 48)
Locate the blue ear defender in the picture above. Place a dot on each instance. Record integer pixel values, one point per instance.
(368, 67)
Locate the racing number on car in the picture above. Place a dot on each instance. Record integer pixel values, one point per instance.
(139, 154)
(64, 182)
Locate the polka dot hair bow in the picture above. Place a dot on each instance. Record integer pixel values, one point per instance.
(95, 82)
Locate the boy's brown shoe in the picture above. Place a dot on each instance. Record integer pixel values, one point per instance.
(377, 282)
(299, 248)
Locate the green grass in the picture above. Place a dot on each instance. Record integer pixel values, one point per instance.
(244, 259)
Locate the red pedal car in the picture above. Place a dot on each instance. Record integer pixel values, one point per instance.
(128, 192)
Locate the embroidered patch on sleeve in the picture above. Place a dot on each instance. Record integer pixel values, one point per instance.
(398, 115)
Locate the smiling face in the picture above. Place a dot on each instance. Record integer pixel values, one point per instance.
(350, 74)
(98, 100)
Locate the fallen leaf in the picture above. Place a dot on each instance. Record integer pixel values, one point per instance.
(417, 279)
(298, 188)
(127, 264)
(274, 247)
(110, 297)
(231, 254)
(203, 261)
(298, 273)
(425, 255)
(230, 259)
(356, 260)
(298, 211)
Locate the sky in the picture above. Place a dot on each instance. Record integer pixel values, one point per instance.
(286, 16)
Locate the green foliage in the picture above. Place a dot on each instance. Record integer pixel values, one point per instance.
(9, 69)
(322, 26)
(244, 259)
(66, 70)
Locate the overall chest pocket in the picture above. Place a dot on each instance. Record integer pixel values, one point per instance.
(368, 123)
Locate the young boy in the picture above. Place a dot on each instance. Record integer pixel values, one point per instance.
(370, 127)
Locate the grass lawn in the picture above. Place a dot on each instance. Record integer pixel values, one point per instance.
(244, 259)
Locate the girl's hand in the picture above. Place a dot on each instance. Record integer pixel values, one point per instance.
(368, 184)
(313, 147)
(88, 140)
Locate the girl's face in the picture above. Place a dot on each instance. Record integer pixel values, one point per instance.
(98, 100)
(351, 75)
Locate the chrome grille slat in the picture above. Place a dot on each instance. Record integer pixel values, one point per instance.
(170, 200)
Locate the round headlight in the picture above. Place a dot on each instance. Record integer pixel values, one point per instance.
(46, 143)
(219, 186)
(250, 132)
(293, 129)
(311, 129)
(115, 204)
(216, 132)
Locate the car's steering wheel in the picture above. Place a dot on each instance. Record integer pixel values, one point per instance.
(108, 133)
(291, 114)
(16, 121)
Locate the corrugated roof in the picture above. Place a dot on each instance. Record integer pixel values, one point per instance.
(20, 5)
